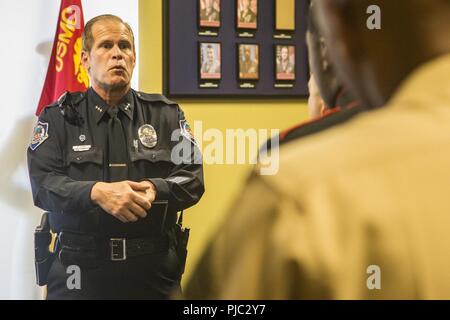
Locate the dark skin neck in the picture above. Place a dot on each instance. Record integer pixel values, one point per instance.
(415, 46)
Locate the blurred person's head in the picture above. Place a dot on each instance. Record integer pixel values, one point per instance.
(316, 105)
(246, 4)
(319, 62)
(374, 62)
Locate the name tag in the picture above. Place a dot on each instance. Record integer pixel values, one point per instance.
(82, 148)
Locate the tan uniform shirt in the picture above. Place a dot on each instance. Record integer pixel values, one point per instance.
(371, 195)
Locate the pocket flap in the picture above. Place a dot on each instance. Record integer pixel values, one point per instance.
(93, 155)
(151, 155)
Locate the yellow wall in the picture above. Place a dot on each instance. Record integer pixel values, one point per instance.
(222, 182)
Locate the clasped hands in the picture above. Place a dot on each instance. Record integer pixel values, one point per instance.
(125, 200)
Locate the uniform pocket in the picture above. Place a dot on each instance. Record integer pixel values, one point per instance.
(150, 163)
(93, 155)
(150, 155)
(85, 165)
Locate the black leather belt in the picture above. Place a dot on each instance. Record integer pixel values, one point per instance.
(114, 249)
(121, 248)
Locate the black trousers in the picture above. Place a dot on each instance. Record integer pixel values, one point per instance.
(155, 276)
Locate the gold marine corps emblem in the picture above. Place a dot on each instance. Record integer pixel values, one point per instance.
(80, 71)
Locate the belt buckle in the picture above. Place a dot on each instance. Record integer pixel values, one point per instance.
(118, 249)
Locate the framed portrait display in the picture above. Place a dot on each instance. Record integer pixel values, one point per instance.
(284, 62)
(209, 53)
(285, 11)
(210, 61)
(248, 58)
(209, 13)
(247, 14)
(285, 15)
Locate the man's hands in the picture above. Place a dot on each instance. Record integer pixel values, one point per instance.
(125, 200)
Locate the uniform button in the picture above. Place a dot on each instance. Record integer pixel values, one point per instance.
(79, 158)
(153, 156)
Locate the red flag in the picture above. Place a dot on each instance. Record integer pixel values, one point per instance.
(65, 71)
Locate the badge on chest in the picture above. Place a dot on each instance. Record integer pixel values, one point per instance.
(147, 136)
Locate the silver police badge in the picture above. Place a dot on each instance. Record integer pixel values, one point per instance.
(147, 135)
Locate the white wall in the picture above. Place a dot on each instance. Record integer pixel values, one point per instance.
(28, 28)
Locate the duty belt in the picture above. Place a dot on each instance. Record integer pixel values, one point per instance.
(121, 248)
(114, 249)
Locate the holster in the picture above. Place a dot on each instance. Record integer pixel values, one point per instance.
(181, 238)
(43, 257)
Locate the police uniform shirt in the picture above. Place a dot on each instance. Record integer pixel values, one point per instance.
(68, 155)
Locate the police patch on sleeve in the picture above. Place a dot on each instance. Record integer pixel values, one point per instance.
(186, 131)
(40, 134)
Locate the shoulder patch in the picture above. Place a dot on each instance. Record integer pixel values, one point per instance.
(40, 134)
(186, 131)
(152, 97)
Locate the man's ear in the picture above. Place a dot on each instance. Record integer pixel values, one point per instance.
(85, 60)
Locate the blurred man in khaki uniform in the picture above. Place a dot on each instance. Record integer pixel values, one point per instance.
(367, 213)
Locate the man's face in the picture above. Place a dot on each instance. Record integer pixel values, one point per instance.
(210, 54)
(284, 54)
(246, 4)
(112, 58)
(247, 54)
(209, 4)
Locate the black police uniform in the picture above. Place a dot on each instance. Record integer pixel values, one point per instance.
(69, 154)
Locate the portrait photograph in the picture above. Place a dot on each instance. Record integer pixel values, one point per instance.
(210, 60)
(285, 62)
(248, 55)
(247, 14)
(209, 13)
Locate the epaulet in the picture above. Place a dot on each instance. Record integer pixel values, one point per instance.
(75, 97)
(68, 103)
(153, 97)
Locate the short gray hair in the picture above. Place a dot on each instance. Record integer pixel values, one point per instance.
(88, 38)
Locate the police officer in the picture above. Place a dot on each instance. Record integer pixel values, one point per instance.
(113, 166)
